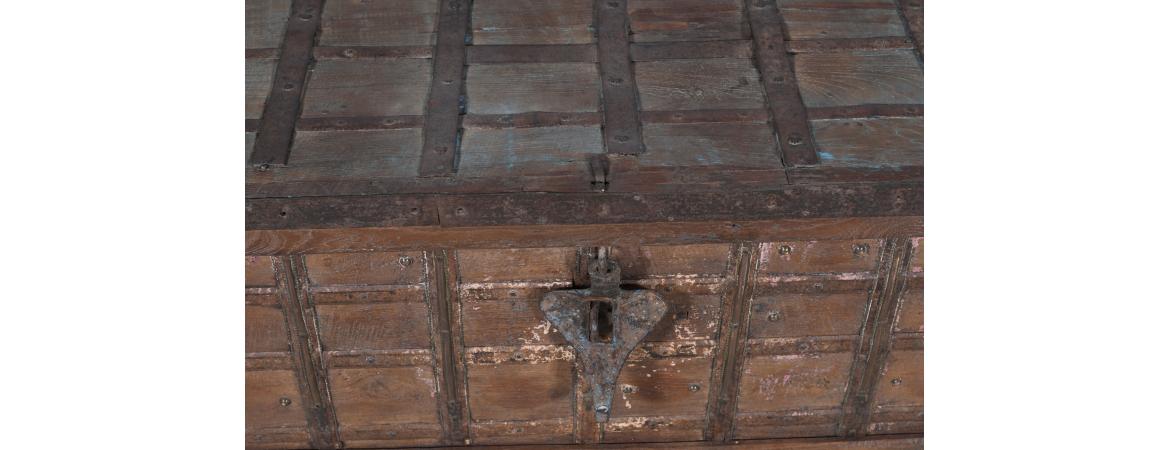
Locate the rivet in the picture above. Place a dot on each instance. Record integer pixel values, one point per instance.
(284, 401)
(349, 53)
(405, 261)
(369, 360)
(306, 16)
(615, 80)
(460, 211)
(628, 389)
(622, 138)
(447, 81)
(694, 387)
(392, 434)
(896, 381)
(288, 86)
(414, 211)
(264, 167)
(440, 150)
(803, 346)
(784, 250)
(778, 79)
(795, 139)
(283, 213)
(860, 249)
(602, 409)
(773, 316)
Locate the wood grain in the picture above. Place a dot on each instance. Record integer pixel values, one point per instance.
(842, 23)
(893, 141)
(378, 326)
(258, 75)
(724, 145)
(385, 399)
(509, 152)
(532, 22)
(515, 264)
(901, 380)
(672, 260)
(349, 155)
(517, 88)
(519, 391)
(861, 77)
(662, 387)
(506, 317)
(723, 83)
(686, 20)
(268, 418)
(264, 22)
(819, 257)
(259, 272)
(265, 330)
(793, 382)
(365, 268)
(795, 314)
(911, 311)
(379, 22)
(367, 87)
(901, 442)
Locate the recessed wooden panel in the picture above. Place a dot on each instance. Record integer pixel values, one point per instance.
(339, 155)
(258, 271)
(532, 22)
(265, 330)
(895, 141)
(367, 87)
(377, 326)
(918, 263)
(272, 402)
(365, 397)
(788, 382)
(533, 151)
(698, 84)
(365, 268)
(805, 4)
(692, 311)
(787, 424)
(842, 23)
(819, 256)
(800, 314)
(672, 260)
(497, 317)
(661, 387)
(517, 88)
(859, 77)
(379, 22)
(520, 391)
(749, 146)
(258, 75)
(548, 431)
(517, 264)
(264, 22)
(687, 20)
(911, 312)
(654, 428)
(901, 381)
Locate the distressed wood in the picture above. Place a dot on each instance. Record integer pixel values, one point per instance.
(490, 54)
(623, 135)
(900, 442)
(779, 78)
(446, 94)
(447, 340)
(258, 74)
(518, 88)
(653, 51)
(729, 360)
(699, 84)
(861, 77)
(507, 22)
(329, 156)
(870, 142)
(724, 145)
(379, 22)
(264, 22)
(687, 20)
(912, 17)
(306, 353)
(367, 87)
(833, 23)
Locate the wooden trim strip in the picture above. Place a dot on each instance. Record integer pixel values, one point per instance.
(275, 132)
(261, 53)
(849, 44)
(657, 51)
(875, 336)
(531, 120)
(306, 352)
(359, 123)
(379, 358)
(620, 126)
(403, 51)
(814, 175)
(778, 74)
(447, 339)
(732, 346)
(865, 111)
(888, 442)
(706, 116)
(821, 5)
(490, 54)
(910, 11)
(808, 346)
(444, 103)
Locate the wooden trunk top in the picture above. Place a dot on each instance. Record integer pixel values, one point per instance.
(387, 113)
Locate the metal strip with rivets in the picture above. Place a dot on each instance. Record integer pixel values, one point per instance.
(620, 126)
(274, 136)
(444, 104)
(778, 73)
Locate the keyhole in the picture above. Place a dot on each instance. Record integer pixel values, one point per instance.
(601, 321)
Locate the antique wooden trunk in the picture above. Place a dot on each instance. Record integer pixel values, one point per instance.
(500, 222)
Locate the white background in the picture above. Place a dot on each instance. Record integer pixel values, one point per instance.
(122, 221)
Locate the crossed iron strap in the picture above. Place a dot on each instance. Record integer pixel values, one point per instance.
(603, 323)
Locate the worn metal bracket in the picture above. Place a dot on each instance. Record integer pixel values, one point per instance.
(603, 324)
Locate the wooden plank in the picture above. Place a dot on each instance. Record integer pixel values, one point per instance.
(402, 51)
(787, 424)
(875, 338)
(306, 353)
(687, 20)
(870, 142)
(447, 338)
(654, 429)
(789, 314)
(706, 116)
(709, 260)
(510, 22)
(911, 308)
(824, 23)
(836, 4)
(510, 152)
(693, 310)
(258, 74)
(507, 316)
(731, 349)
(394, 405)
(860, 77)
(359, 124)
(364, 268)
(376, 326)
(277, 242)
(793, 382)
(699, 84)
(535, 119)
(912, 18)
(864, 111)
(849, 44)
(662, 387)
(494, 54)
(828, 256)
(367, 87)
(741, 145)
(259, 271)
(330, 156)
(372, 23)
(264, 22)
(780, 84)
(516, 264)
(653, 51)
(518, 88)
(265, 330)
(623, 134)
(443, 107)
(898, 442)
(519, 391)
(278, 121)
(273, 413)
